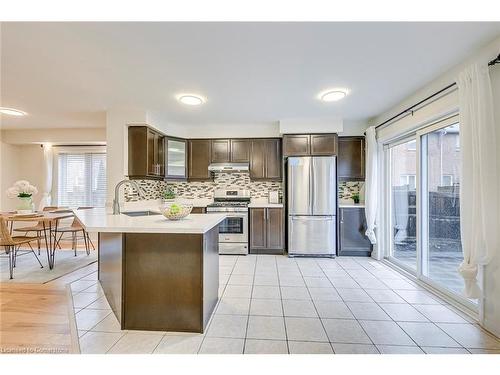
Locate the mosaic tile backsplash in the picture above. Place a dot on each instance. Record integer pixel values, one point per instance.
(205, 189)
(349, 188)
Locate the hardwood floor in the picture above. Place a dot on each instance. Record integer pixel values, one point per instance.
(38, 318)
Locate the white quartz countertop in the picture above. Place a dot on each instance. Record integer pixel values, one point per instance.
(98, 220)
(264, 204)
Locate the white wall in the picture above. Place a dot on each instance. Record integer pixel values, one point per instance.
(55, 136)
(304, 126)
(491, 306)
(117, 121)
(10, 172)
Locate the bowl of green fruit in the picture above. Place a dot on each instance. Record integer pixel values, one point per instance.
(177, 211)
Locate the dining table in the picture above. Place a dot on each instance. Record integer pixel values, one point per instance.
(49, 221)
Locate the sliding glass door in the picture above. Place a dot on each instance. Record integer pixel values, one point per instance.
(403, 182)
(440, 214)
(423, 195)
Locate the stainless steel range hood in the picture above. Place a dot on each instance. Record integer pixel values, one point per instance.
(228, 167)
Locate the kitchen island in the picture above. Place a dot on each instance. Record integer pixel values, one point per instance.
(158, 274)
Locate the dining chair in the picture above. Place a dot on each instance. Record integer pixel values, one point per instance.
(12, 245)
(74, 229)
(38, 228)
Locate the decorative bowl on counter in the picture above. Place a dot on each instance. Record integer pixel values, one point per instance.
(176, 211)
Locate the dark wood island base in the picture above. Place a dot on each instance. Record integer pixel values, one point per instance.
(160, 281)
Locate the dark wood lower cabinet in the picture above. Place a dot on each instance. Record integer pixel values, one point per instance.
(199, 210)
(353, 241)
(159, 281)
(266, 230)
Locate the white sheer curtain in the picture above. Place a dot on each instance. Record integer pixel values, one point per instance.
(48, 162)
(479, 188)
(371, 183)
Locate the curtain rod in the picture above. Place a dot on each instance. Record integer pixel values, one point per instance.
(409, 109)
(495, 61)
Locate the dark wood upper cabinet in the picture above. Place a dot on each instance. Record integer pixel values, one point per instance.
(351, 158)
(266, 230)
(324, 144)
(221, 151)
(240, 150)
(274, 160)
(257, 159)
(352, 228)
(145, 153)
(265, 159)
(309, 144)
(199, 158)
(296, 145)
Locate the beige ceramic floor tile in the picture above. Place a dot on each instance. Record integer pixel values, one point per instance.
(87, 319)
(98, 342)
(470, 336)
(399, 349)
(354, 348)
(308, 347)
(215, 345)
(266, 327)
(136, 343)
(266, 307)
(345, 331)
(228, 326)
(386, 333)
(233, 306)
(185, 344)
(253, 346)
(305, 329)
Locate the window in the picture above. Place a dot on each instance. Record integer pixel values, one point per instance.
(411, 146)
(402, 184)
(81, 179)
(447, 180)
(441, 245)
(408, 179)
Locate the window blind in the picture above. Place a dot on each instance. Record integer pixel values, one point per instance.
(81, 179)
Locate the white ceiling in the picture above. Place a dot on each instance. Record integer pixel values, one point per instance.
(69, 74)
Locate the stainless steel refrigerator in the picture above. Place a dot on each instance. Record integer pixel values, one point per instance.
(312, 205)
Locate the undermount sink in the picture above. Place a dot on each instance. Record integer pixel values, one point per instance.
(141, 213)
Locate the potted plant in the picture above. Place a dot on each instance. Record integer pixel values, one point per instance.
(169, 195)
(355, 198)
(24, 191)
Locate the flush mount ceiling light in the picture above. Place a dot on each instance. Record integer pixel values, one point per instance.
(333, 95)
(12, 111)
(190, 99)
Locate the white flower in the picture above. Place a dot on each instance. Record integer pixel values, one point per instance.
(21, 186)
(12, 192)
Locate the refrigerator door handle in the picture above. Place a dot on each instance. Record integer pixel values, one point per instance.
(311, 186)
(313, 195)
(313, 218)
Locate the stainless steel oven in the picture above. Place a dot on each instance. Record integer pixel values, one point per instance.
(233, 231)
